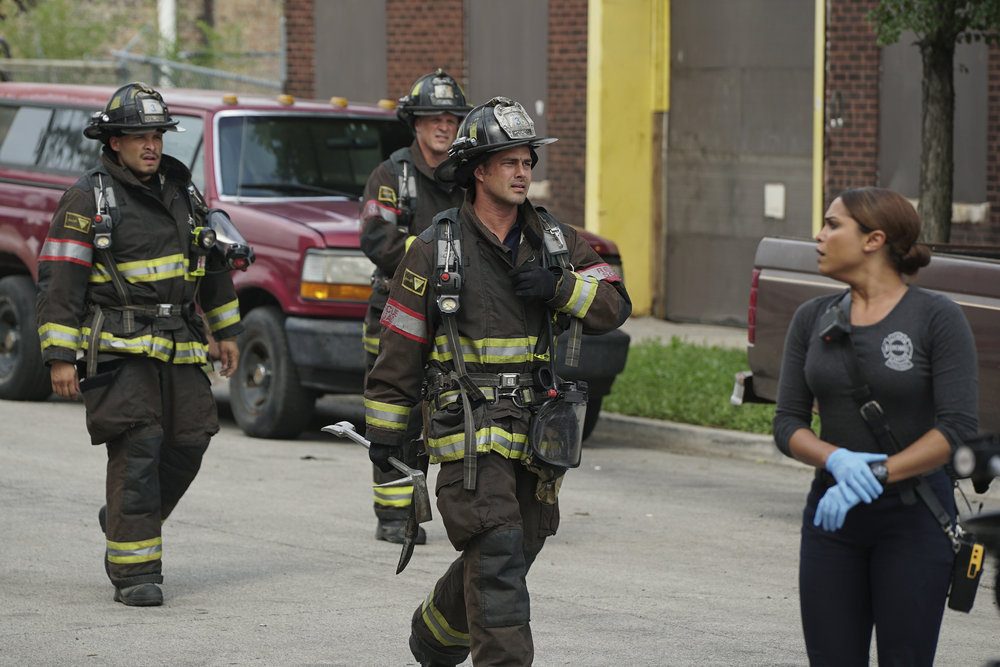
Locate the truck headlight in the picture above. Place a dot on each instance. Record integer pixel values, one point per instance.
(336, 275)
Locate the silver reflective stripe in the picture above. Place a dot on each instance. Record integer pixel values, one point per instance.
(223, 316)
(438, 625)
(170, 267)
(584, 291)
(386, 415)
(71, 251)
(601, 272)
(65, 338)
(393, 496)
(404, 321)
(135, 552)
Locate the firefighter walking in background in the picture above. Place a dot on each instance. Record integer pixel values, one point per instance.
(399, 202)
(467, 336)
(122, 273)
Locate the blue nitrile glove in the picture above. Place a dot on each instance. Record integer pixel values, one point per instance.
(379, 455)
(851, 468)
(533, 281)
(833, 507)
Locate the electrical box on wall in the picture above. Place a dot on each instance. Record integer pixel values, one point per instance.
(774, 201)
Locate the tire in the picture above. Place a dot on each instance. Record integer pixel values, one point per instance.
(593, 412)
(23, 376)
(265, 395)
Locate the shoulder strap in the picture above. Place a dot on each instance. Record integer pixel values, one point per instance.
(401, 162)
(448, 281)
(874, 416)
(557, 251)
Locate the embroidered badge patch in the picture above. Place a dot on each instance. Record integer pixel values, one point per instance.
(387, 195)
(414, 283)
(77, 222)
(897, 348)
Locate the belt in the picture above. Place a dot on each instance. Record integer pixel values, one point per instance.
(518, 387)
(158, 309)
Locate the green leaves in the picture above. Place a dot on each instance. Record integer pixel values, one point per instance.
(937, 21)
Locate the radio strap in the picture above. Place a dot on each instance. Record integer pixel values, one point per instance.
(874, 417)
(558, 251)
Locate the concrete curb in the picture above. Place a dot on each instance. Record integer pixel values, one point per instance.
(618, 429)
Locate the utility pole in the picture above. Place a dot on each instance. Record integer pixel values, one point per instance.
(166, 14)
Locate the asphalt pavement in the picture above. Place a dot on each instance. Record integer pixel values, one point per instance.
(678, 546)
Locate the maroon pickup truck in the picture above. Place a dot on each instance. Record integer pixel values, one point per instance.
(785, 275)
(290, 174)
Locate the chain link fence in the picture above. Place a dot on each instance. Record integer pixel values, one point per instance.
(158, 72)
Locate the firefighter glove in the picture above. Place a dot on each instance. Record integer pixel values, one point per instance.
(851, 469)
(534, 282)
(379, 455)
(833, 507)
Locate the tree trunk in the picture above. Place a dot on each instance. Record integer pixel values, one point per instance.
(936, 139)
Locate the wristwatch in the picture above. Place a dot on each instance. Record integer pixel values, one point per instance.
(880, 471)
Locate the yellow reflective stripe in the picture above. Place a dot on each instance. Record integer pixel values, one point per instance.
(191, 352)
(58, 335)
(144, 271)
(408, 242)
(151, 270)
(386, 415)
(135, 552)
(488, 439)
(438, 625)
(393, 496)
(584, 292)
(487, 350)
(370, 341)
(225, 315)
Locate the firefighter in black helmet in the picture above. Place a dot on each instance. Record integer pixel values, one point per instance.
(399, 201)
(476, 358)
(120, 288)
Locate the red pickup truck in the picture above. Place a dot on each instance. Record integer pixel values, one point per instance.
(290, 174)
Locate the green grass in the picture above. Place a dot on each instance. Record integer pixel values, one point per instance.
(686, 383)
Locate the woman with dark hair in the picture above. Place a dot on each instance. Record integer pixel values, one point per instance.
(872, 554)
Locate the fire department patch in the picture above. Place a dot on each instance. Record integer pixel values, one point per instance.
(414, 283)
(387, 195)
(77, 222)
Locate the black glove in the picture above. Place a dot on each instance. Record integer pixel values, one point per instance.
(379, 455)
(534, 282)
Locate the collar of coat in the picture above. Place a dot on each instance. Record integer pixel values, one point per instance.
(171, 169)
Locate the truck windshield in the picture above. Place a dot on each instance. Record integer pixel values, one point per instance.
(303, 156)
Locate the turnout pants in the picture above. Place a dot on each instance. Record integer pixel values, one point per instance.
(156, 419)
(888, 567)
(481, 604)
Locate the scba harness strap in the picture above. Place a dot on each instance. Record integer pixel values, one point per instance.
(106, 220)
(448, 282)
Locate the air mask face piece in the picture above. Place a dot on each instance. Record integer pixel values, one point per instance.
(231, 250)
(556, 432)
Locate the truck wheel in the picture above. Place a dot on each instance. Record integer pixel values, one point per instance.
(23, 376)
(267, 399)
(593, 412)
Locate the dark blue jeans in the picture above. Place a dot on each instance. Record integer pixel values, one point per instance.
(887, 568)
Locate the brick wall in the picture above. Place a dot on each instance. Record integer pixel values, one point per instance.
(422, 37)
(991, 233)
(567, 109)
(852, 61)
(299, 48)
